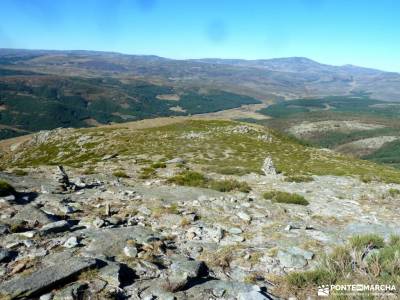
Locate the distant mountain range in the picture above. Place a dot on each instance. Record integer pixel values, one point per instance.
(44, 89)
(293, 77)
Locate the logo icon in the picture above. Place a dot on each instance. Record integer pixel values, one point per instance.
(323, 290)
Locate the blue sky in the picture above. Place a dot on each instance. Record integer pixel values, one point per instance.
(360, 32)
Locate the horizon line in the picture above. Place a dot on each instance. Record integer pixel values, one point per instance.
(198, 58)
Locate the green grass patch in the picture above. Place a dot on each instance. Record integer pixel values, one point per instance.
(315, 277)
(120, 174)
(195, 179)
(189, 178)
(362, 241)
(394, 192)
(20, 172)
(284, 197)
(6, 189)
(229, 185)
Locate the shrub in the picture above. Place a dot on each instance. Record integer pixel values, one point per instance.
(230, 185)
(6, 189)
(394, 192)
(284, 197)
(359, 242)
(147, 172)
(189, 178)
(120, 174)
(158, 165)
(20, 172)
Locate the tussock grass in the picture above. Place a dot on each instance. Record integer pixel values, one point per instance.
(195, 179)
(284, 197)
(361, 241)
(350, 264)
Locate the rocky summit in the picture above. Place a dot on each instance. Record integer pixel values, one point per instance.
(189, 209)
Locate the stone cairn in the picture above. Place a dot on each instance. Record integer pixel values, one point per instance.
(62, 179)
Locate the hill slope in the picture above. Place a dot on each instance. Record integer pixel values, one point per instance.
(179, 207)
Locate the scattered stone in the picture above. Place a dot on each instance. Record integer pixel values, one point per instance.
(289, 260)
(245, 217)
(28, 234)
(4, 229)
(48, 296)
(235, 230)
(298, 251)
(71, 292)
(130, 250)
(109, 156)
(98, 223)
(72, 242)
(177, 160)
(111, 274)
(55, 227)
(32, 215)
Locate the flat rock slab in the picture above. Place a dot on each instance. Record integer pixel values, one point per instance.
(176, 193)
(110, 242)
(45, 279)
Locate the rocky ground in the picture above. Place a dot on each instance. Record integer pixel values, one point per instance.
(65, 235)
(117, 238)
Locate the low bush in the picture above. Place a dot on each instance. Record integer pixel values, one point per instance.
(189, 178)
(284, 197)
